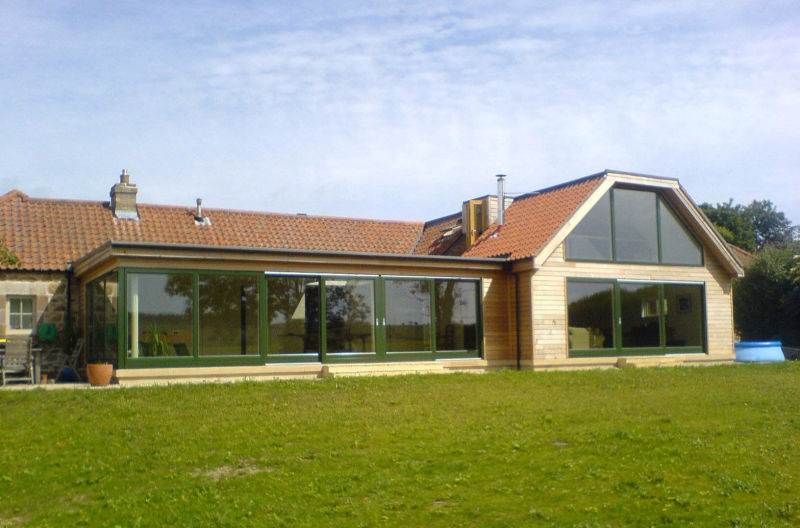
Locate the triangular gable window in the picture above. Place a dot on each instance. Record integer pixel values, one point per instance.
(591, 239)
(677, 245)
(633, 226)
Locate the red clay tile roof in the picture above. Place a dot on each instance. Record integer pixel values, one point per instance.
(531, 220)
(442, 236)
(48, 234)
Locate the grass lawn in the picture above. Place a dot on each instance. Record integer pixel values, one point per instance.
(706, 446)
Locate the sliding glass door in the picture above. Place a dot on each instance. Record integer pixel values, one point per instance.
(350, 322)
(338, 318)
(191, 317)
(614, 317)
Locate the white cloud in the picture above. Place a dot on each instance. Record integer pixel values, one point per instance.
(327, 109)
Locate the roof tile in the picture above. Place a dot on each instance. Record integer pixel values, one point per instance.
(531, 220)
(48, 234)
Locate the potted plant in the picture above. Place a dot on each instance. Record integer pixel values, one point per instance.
(98, 370)
(99, 374)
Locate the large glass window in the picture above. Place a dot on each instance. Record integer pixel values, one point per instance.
(408, 315)
(683, 320)
(456, 315)
(293, 315)
(640, 315)
(350, 315)
(634, 226)
(677, 245)
(228, 310)
(591, 238)
(616, 317)
(160, 312)
(218, 318)
(590, 309)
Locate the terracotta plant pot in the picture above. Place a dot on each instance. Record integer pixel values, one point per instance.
(99, 374)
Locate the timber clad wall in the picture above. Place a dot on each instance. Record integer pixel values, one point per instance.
(550, 307)
(525, 316)
(499, 336)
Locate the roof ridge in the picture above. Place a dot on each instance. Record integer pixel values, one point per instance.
(14, 193)
(210, 210)
(445, 217)
(562, 185)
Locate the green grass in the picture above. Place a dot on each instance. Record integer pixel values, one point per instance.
(711, 446)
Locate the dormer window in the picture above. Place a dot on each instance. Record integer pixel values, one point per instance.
(633, 226)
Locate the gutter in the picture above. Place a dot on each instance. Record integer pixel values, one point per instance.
(279, 251)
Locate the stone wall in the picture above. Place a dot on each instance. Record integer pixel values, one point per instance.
(49, 291)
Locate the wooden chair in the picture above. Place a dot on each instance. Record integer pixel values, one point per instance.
(17, 362)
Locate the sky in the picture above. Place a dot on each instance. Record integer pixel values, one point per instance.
(396, 109)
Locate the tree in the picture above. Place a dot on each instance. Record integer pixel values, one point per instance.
(7, 257)
(766, 301)
(770, 226)
(751, 227)
(732, 223)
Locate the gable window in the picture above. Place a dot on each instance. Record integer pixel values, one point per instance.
(633, 226)
(20, 313)
(591, 239)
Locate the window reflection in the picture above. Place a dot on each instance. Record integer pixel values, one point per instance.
(293, 315)
(590, 315)
(228, 306)
(640, 315)
(350, 315)
(160, 314)
(456, 315)
(408, 315)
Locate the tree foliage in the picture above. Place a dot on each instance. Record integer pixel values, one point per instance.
(731, 221)
(766, 301)
(770, 225)
(751, 227)
(7, 257)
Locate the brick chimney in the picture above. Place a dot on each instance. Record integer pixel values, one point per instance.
(123, 198)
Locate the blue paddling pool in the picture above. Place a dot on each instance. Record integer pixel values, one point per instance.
(756, 351)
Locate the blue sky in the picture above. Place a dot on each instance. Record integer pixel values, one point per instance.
(396, 110)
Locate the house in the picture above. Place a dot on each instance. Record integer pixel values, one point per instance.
(613, 265)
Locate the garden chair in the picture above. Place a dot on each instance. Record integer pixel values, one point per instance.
(76, 355)
(17, 362)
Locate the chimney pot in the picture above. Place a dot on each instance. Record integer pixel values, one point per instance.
(501, 199)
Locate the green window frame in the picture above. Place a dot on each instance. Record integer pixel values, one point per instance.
(655, 316)
(662, 209)
(189, 353)
(316, 298)
(102, 318)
